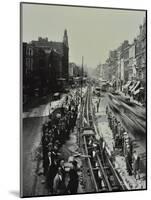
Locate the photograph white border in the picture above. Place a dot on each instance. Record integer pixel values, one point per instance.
(9, 104)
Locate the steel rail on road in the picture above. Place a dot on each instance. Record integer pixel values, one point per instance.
(104, 174)
(90, 165)
(97, 156)
(88, 113)
(115, 174)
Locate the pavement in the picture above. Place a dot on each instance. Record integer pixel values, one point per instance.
(33, 119)
(31, 140)
(105, 131)
(44, 110)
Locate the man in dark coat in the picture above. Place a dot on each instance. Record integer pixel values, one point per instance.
(74, 179)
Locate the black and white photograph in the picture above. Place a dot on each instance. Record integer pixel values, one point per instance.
(83, 99)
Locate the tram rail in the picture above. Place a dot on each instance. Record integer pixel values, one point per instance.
(111, 180)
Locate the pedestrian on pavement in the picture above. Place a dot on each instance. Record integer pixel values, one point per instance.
(112, 122)
(52, 169)
(136, 165)
(72, 187)
(119, 128)
(58, 183)
(45, 142)
(110, 119)
(98, 103)
(115, 130)
(107, 110)
(129, 162)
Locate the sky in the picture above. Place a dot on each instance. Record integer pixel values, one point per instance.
(92, 32)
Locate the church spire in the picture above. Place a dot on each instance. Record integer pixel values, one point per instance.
(65, 38)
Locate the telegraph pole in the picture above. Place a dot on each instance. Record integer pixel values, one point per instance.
(81, 79)
(81, 92)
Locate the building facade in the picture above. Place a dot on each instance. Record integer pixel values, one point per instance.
(127, 65)
(125, 60)
(45, 64)
(61, 48)
(132, 62)
(141, 54)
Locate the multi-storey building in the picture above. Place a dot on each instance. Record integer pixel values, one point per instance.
(105, 71)
(112, 65)
(61, 48)
(45, 63)
(141, 54)
(132, 62)
(124, 60)
(127, 64)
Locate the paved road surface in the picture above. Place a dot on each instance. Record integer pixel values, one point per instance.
(32, 123)
(33, 119)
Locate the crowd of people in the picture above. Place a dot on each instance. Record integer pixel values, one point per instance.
(55, 132)
(123, 142)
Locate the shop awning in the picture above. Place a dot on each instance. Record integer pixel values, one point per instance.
(127, 84)
(136, 86)
(133, 85)
(112, 82)
(136, 92)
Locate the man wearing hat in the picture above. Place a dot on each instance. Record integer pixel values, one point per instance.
(74, 179)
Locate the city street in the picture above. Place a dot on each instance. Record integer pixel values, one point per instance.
(34, 119)
(84, 100)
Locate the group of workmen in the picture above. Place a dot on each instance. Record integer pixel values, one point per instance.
(96, 148)
(122, 141)
(55, 132)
